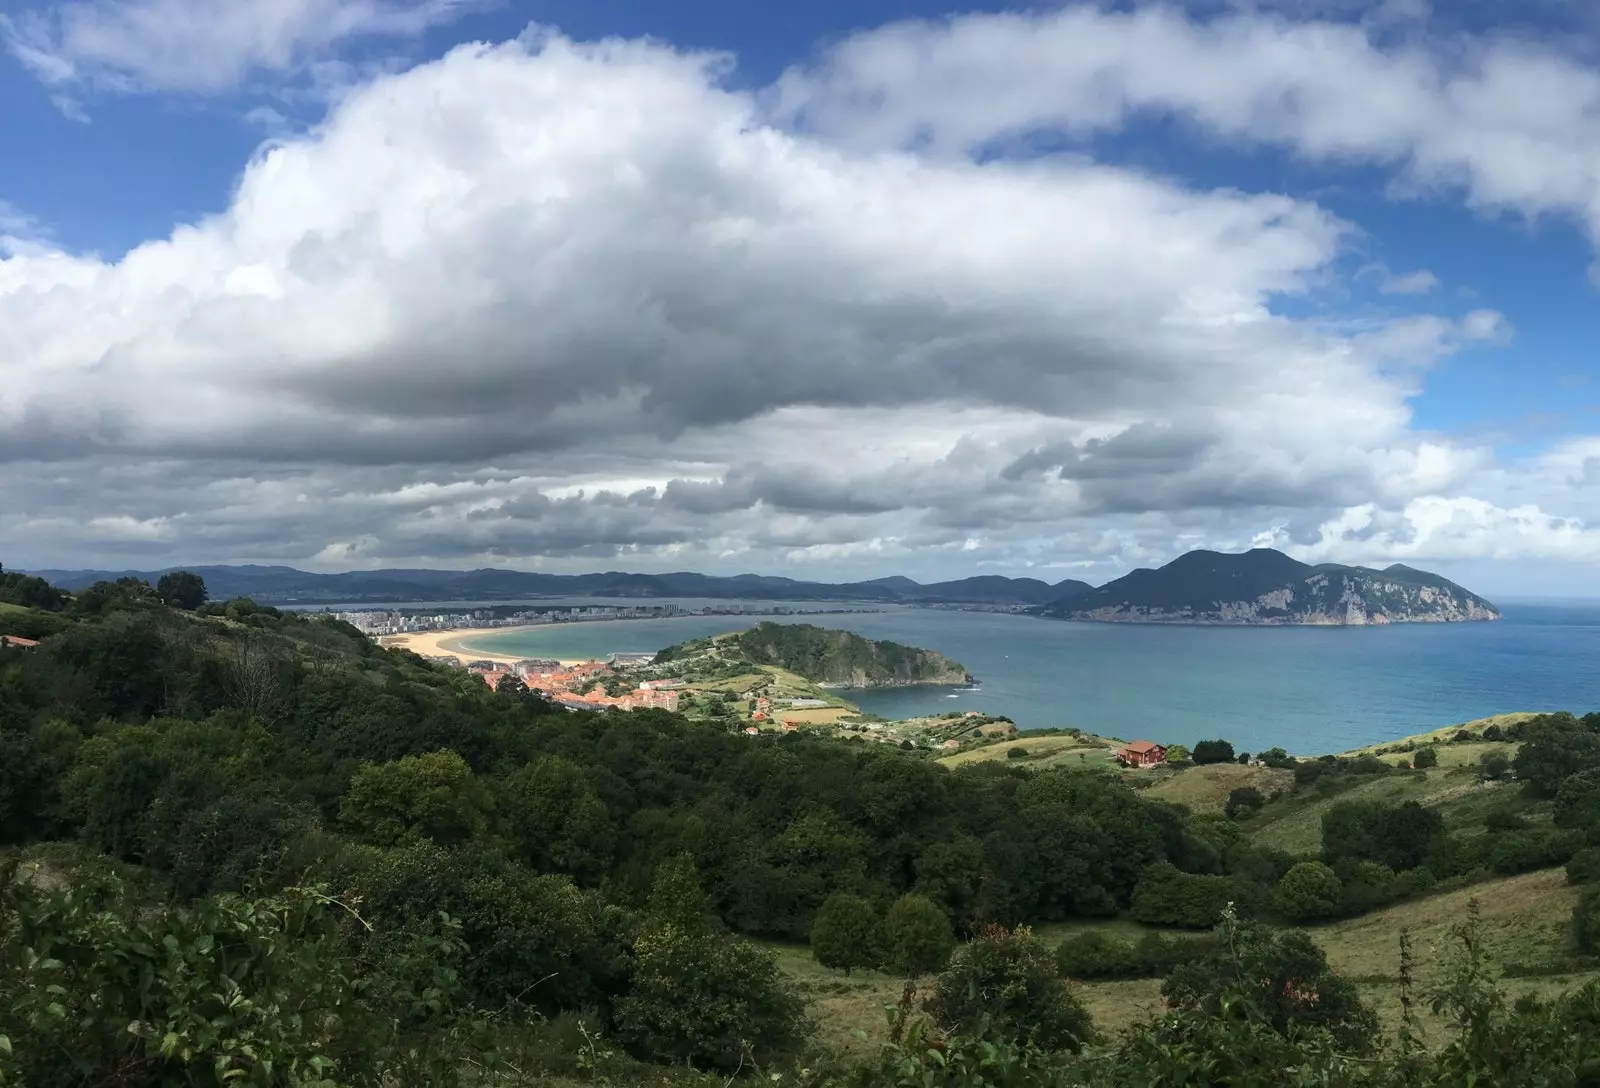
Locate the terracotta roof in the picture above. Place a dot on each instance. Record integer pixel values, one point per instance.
(18, 641)
(1142, 746)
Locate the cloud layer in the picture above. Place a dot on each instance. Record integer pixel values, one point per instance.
(557, 303)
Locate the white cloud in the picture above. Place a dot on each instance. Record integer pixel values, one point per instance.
(1420, 282)
(562, 303)
(201, 46)
(1511, 124)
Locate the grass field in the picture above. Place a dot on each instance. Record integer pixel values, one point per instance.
(1523, 924)
(1206, 788)
(1051, 751)
(1441, 735)
(1295, 823)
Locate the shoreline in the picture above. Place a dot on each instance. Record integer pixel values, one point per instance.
(453, 643)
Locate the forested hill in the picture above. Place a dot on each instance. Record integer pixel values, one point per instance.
(828, 656)
(1264, 586)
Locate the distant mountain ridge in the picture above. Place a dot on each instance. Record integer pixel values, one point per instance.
(1266, 587)
(286, 585)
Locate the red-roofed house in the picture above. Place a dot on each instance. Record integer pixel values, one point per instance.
(1142, 753)
(17, 642)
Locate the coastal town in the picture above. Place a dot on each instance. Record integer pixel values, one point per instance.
(405, 621)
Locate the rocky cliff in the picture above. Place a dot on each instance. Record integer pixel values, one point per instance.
(1266, 587)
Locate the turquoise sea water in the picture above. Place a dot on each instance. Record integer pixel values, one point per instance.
(1307, 689)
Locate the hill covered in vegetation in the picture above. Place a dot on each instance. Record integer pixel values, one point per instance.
(248, 846)
(826, 656)
(1263, 586)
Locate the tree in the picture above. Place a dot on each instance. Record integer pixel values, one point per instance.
(1244, 801)
(1578, 800)
(697, 996)
(1492, 766)
(847, 933)
(434, 796)
(918, 935)
(556, 820)
(1283, 977)
(1554, 747)
(1165, 896)
(1213, 751)
(1006, 981)
(182, 589)
(1096, 954)
(1308, 892)
(1244, 759)
(1425, 758)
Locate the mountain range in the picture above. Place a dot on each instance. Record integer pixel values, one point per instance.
(1261, 586)
(285, 585)
(1266, 587)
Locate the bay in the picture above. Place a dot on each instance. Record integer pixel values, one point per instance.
(1306, 689)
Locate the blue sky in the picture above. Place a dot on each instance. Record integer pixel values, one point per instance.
(892, 287)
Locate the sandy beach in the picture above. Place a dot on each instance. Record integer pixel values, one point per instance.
(453, 644)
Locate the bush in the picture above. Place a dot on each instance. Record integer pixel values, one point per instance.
(1308, 892)
(918, 935)
(1006, 982)
(1244, 759)
(1213, 751)
(1159, 953)
(1584, 866)
(1165, 896)
(1586, 922)
(1017, 752)
(1093, 954)
(847, 933)
(1578, 800)
(696, 996)
(1493, 766)
(1244, 801)
(1510, 852)
(1284, 977)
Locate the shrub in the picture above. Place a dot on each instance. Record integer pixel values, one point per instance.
(1493, 732)
(1366, 885)
(696, 996)
(1584, 866)
(1308, 892)
(1244, 759)
(1244, 801)
(1586, 922)
(1017, 752)
(1493, 766)
(1159, 953)
(1277, 758)
(847, 933)
(1578, 800)
(918, 935)
(1006, 981)
(1167, 897)
(1512, 852)
(1093, 954)
(1284, 978)
(1213, 751)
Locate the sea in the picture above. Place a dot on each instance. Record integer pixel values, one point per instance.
(1305, 689)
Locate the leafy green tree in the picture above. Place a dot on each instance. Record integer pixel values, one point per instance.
(1213, 751)
(1094, 954)
(1554, 747)
(1167, 896)
(1493, 766)
(556, 820)
(1177, 753)
(1005, 982)
(1308, 892)
(847, 933)
(1425, 757)
(1578, 800)
(696, 996)
(1244, 801)
(918, 936)
(434, 796)
(182, 589)
(1584, 867)
(1586, 921)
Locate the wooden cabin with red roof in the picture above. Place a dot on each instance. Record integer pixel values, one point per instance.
(1142, 753)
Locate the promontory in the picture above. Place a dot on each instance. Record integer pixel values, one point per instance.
(1266, 587)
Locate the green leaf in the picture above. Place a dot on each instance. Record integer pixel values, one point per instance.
(5, 1045)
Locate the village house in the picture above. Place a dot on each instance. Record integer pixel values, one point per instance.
(17, 642)
(1142, 753)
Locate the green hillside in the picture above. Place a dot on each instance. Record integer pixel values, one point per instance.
(842, 657)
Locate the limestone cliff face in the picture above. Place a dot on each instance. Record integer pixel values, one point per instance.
(1268, 588)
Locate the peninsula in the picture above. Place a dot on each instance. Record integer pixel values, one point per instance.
(1265, 587)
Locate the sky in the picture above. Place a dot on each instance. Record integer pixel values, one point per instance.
(830, 290)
